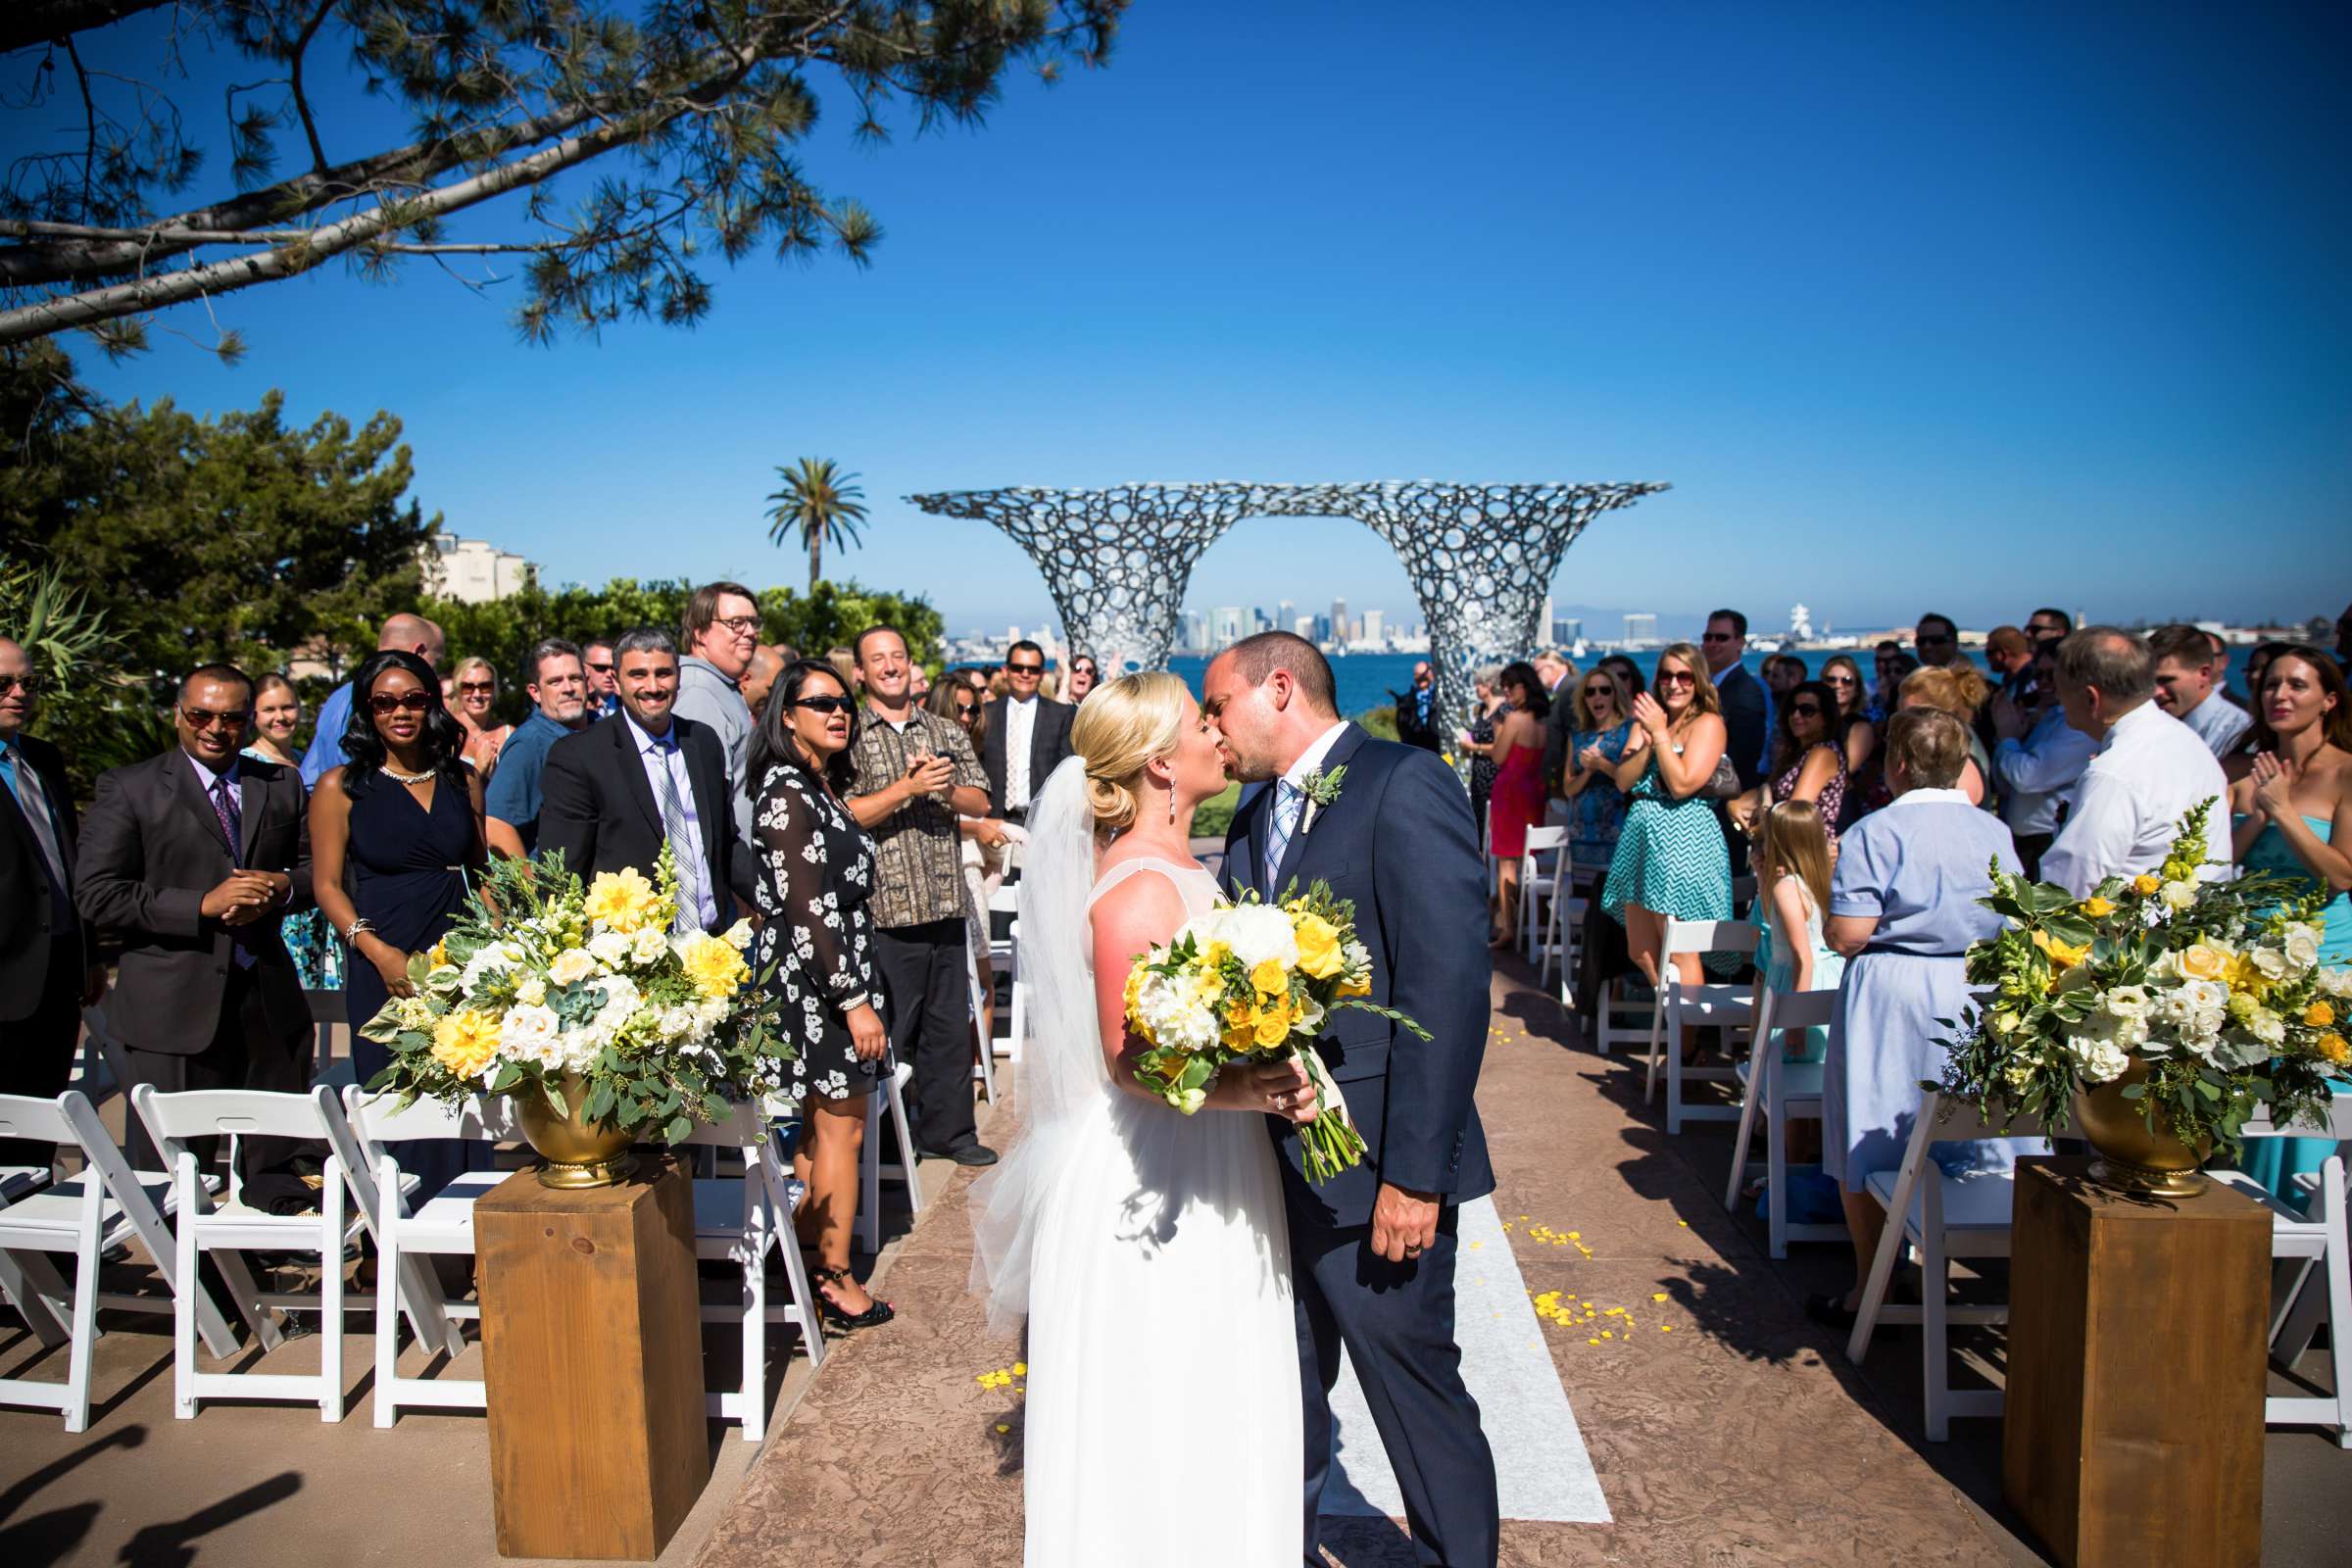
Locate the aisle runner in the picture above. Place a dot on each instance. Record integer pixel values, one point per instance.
(1540, 1460)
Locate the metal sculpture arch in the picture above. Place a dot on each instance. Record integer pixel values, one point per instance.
(1118, 561)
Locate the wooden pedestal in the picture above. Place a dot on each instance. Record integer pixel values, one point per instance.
(591, 1346)
(2138, 1339)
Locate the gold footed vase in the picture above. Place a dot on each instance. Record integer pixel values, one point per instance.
(2132, 1157)
(576, 1151)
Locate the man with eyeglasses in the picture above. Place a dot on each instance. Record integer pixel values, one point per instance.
(415, 633)
(1937, 640)
(604, 687)
(559, 689)
(48, 971)
(720, 635)
(189, 860)
(1027, 737)
(1741, 695)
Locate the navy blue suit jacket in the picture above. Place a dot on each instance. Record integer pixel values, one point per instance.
(1400, 845)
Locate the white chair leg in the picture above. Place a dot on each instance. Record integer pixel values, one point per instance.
(85, 1330)
(1673, 1070)
(752, 1416)
(804, 1295)
(906, 1130)
(1935, 1329)
(330, 1295)
(869, 1176)
(1657, 1045)
(1776, 1162)
(387, 1321)
(40, 1295)
(184, 1306)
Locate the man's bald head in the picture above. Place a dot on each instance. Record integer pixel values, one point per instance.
(414, 634)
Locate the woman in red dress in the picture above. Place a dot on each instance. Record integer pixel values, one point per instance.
(1517, 803)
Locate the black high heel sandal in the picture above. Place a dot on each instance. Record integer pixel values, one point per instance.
(840, 1316)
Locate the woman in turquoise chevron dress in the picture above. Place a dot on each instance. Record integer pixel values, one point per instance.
(1670, 862)
(2291, 815)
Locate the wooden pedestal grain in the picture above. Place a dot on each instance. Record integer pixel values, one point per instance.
(591, 1346)
(2138, 1351)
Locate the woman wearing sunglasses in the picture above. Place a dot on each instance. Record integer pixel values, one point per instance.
(1671, 861)
(402, 816)
(475, 684)
(1604, 725)
(817, 948)
(1807, 762)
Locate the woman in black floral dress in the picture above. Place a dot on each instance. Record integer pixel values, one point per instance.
(816, 872)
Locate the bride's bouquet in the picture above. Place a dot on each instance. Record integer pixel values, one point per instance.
(1253, 983)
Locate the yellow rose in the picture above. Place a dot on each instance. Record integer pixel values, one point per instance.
(1269, 978)
(2331, 1045)
(717, 969)
(465, 1042)
(2146, 883)
(2199, 961)
(1274, 1025)
(2319, 1015)
(2096, 908)
(1319, 956)
(623, 900)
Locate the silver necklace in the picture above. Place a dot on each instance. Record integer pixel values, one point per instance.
(397, 776)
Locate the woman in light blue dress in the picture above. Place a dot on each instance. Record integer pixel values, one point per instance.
(2291, 811)
(1903, 909)
(1670, 861)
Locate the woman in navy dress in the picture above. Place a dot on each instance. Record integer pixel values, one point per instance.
(403, 816)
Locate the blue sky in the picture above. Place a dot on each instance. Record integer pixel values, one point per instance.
(1975, 305)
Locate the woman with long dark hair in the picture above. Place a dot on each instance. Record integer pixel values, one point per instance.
(404, 815)
(1517, 802)
(817, 869)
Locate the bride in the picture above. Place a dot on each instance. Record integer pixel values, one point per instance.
(1146, 1248)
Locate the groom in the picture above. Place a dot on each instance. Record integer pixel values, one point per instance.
(1372, 1252)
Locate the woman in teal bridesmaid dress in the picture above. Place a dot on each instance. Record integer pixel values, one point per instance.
(2291, 813)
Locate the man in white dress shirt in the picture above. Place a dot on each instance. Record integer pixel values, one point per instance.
(2188, 686)
(1027, 735)
(2038, 759)
(2149, 770)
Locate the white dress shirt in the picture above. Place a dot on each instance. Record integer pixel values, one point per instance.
(1312, 757)
(2038, 772)
(2127, 810)
(2219, 723)
(1020, 728)
(657, 755)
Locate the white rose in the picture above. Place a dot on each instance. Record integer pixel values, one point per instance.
(571, 966)
(738, 936)
(2200, 1043)
(2270, 961)
(527, 1032)
(2104, 1062)
(621, 999)
(612, 947)
(648, 945)
(2302, 947)
(531, 992)
(2179, 895)
(2336, 982)
(2267, 1026)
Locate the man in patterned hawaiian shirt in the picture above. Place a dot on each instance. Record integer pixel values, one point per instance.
(913, 772)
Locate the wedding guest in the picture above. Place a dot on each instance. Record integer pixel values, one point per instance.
(49, 970)
(615, 795)
(759, 676)
(2188, 686)
(189, 860)
(1557, 670)
(604, 687)
(1958, 690)
(1671, 860)
(2258, 660)
(1739, 693)
(405, 816)
(1903, 911)
(912, 775)
(1027, 736)
(818, 872)
(2037, 757)
(845, 665)
(559, 691)
(309, 940)
(476, 683)
(2047, 625)
(1085, 674)
(1602, 728)
(414, 633)
(1517, 804)
(1807, 761)
(2009, 651)
(1794, 851)
(1937, 640)
(717, 636)
(1895, 666)
(2291, 816)
(1628, 677)
(1477, 739)
(1416, 710)
(985, 850)
(1844, 677)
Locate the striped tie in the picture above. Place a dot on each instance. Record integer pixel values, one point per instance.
(683, 849)
(1288, 796)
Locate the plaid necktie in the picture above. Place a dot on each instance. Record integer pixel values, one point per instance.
(683, 849)
(1288, 798)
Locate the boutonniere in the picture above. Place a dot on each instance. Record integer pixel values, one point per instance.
(1322, 789)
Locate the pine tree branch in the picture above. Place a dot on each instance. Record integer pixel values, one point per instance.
(25, 22)
(301, 104)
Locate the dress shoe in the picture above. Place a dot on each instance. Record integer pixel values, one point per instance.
(969, 1155)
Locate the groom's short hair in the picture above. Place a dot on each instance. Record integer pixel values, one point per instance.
(1260, 656)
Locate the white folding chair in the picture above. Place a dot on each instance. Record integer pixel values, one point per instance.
(405, 1240)
(1681, 1006)
(1005, 957)
(1781, 1092)
(891, 1094)
(739, 1219)
(1546, 850)
(1564, 924)
(104, 1206)
(2317, 1242)
(232, 1228)
(984, 1064)
(1945, 1216)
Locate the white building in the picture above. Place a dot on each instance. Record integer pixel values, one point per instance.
(472, 571)
(1372, 627)
(1641, 629)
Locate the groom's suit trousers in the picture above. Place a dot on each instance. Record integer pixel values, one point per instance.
(1395, 1321)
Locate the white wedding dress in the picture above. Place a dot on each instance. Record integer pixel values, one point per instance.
(1150, 1253)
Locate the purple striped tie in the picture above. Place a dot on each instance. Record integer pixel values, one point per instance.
(232, 819)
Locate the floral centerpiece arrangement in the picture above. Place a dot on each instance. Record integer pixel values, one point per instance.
(1254, 982)
(582, 1004)
(2194, 1004)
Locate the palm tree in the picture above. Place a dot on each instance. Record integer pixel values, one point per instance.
(822, 503)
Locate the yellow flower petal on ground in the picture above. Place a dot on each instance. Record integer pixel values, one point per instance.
(1002, 1427)
(1020, 1369)
(1657, 1296)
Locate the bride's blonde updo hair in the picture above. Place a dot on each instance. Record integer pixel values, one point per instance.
(1120, 727)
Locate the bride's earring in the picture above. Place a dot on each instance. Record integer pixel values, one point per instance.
(1171, 805)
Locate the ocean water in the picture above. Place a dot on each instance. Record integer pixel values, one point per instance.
(1370, 680)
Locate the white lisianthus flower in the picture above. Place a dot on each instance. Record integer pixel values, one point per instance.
(738, 936)
(2269, 962)
(674, 1024)
(2267, 1027)
(610, 948)
(578, 1048)
(2179, 895)
(2200, 1043)
(2127, 1001)
(621, 999)
(529, 1033)
(531, 992)
(648, 945)
(2302, 947)
(571, 966)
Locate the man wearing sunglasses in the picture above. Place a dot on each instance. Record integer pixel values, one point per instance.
(189, 860)
(46, 969)
(1027, 736)
(415, 633)
(1724, 644)
(604, 685)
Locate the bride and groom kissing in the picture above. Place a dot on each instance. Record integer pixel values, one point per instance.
(1187, 1291)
